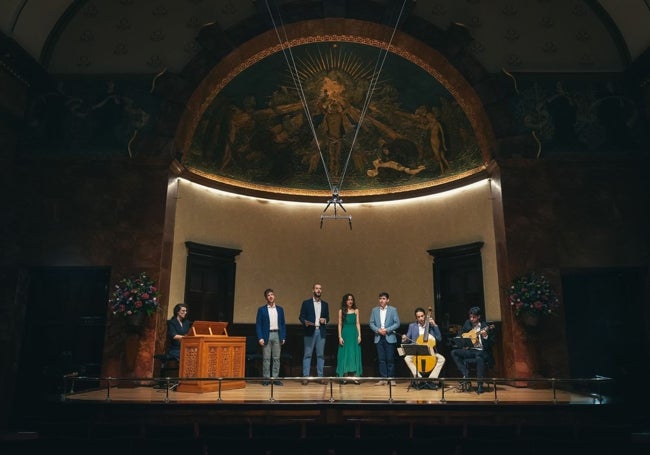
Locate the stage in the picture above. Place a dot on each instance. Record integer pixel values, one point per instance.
(327, 417)
(333, 390)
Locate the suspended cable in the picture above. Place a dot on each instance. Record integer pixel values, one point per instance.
(293, 70)
(287, 52)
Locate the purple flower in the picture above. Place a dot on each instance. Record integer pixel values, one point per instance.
(532, 293)
(134, 295)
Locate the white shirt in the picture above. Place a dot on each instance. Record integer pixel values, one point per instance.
(382, 316)
(273, 317)
(317, 312)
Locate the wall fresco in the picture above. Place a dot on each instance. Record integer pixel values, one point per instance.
(256, 128)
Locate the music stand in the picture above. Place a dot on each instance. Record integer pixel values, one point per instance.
(416, 350)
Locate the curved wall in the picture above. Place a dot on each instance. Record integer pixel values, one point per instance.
(283, 246)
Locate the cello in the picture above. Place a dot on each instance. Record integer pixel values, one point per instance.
(427, 362)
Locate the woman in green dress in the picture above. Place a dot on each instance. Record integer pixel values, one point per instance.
(348, 361)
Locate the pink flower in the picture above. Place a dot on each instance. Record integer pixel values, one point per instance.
(532, 293)
(134, 295)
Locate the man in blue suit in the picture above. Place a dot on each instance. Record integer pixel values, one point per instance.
(384, 320)
(314, 316)
(271, 330)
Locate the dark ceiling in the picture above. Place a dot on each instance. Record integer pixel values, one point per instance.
(146, 36)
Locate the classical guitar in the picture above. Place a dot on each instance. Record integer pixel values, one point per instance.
(473, 334)
(427, 362)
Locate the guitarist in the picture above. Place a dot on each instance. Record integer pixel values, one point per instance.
(480, 352)
(416, 334)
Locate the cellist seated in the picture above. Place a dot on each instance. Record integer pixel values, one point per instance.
(424, 331)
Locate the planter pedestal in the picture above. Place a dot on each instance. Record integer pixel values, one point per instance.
(529, 319)
(135, 320)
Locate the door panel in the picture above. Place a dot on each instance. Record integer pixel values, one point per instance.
(210, 282)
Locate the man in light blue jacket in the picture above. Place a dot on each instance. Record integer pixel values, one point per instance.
(384, 320)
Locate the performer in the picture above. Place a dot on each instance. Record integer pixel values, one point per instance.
(384, 320)
(271, 330)
(480, 352)
(415, 334)
(348, 359)
(314, 316)
(177, 327)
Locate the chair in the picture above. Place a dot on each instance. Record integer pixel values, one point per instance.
(169, 367)
(470, 364)
(168, 364)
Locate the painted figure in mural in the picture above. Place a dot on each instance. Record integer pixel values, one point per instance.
(326, 127)
(553, 116)
(432, 135)
(564, 113)
(335, 123)
(241, 126)
(436, 139)
(394, 159)
(617, 115)
(99, 118)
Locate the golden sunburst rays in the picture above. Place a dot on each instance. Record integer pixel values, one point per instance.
(317, 63)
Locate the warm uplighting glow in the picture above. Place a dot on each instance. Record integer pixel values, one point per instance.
(449, 194)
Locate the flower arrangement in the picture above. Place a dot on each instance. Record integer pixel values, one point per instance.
(532, 293)
(134, 295)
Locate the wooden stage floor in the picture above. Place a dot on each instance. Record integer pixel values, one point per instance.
(332, 391)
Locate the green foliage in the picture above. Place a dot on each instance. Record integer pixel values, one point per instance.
(532, 293)
(134, 295)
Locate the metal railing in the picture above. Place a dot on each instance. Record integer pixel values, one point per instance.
(586, 390)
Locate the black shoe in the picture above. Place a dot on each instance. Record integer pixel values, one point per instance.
(266, 382)
(431, 386)
(479, 389)
(277, 383)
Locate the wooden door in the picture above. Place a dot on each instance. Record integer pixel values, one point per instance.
(458, 285)
(210, 282)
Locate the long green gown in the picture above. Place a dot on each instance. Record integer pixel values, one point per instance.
(348, 359)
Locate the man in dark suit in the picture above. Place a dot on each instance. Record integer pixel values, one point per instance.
(480, 351)
(314, 316)
(271, 330)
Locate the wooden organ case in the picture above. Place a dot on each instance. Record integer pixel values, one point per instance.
(208, 352)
